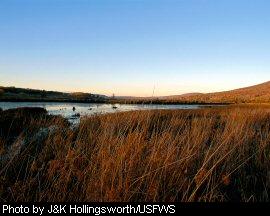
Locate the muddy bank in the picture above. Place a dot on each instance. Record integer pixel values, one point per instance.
(15, 122)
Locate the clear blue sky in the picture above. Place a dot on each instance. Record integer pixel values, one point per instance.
(127, 47)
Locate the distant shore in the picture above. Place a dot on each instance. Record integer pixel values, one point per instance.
(157, 102)
(257, 94)
(53, 101)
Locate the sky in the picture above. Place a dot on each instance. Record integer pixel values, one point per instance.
(134, 47)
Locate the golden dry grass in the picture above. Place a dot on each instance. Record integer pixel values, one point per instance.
(183, 155)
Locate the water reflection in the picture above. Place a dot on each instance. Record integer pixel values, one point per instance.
(77, 110)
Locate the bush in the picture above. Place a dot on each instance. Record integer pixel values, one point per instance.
(2, 92)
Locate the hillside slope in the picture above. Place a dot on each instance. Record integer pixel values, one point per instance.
(22, 94)
(254, 94)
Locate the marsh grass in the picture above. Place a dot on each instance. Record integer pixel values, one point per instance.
(213, 154)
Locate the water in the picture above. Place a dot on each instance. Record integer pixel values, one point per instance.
(85, 109)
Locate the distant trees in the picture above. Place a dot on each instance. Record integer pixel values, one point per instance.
(43, 94)
(81, 96)
(2, 92)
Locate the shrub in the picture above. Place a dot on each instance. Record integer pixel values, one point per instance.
(2, 92)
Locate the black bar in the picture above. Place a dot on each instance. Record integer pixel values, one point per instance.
(132, 208)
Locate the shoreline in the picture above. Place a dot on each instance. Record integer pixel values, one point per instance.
(115, 102)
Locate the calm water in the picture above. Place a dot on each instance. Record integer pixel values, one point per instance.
(66, 109)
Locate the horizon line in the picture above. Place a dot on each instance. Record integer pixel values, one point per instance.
(169, 95)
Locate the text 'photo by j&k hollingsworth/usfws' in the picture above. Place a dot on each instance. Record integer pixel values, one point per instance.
(136, 101)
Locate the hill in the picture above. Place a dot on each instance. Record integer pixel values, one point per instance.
(180, 96)
(254, 94)
(23, 94)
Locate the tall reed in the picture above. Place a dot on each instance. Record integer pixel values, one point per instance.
(203, 155)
